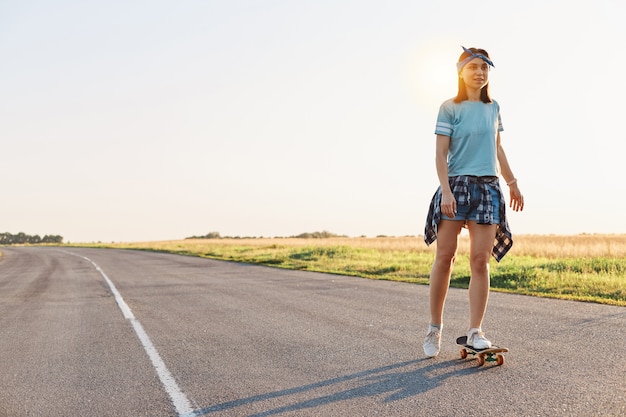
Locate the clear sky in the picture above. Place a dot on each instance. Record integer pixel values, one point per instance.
(152, 120)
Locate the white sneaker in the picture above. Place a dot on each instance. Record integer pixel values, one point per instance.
(432, 343)
(476, 338)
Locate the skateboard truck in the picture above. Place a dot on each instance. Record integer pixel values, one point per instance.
(492, 354)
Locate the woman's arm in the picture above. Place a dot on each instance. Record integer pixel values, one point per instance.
(516, 197)
(448, 203)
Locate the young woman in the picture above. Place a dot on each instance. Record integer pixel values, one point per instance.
(469, 158)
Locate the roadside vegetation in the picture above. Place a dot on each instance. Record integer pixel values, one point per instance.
(581, 267)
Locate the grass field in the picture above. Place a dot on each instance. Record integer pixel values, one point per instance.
(581, 267)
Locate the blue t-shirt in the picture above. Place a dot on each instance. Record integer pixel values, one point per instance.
(473, 128)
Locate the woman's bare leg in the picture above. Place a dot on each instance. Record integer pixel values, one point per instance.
(482, 237)
(447, 242)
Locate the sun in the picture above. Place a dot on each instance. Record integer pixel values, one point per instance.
(433, 76)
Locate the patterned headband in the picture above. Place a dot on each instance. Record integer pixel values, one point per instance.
(460, 65)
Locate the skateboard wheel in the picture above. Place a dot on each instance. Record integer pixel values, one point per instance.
(463, 353)
(481, 359)
(500, 359)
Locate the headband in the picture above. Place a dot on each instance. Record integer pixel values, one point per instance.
(460, 65)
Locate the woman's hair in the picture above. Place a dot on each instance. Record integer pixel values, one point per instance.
(462, 93)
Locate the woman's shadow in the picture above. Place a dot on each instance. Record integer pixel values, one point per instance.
(397, 381)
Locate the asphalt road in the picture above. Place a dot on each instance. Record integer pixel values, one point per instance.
(96, 332)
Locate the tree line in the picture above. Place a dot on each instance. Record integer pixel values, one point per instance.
(22, 238)
(314, 235)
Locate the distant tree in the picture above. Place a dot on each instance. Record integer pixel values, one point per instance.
(317, 235)
(210, 235)
(33, 240)
(20, 238)
(52, 239)
(6, 238)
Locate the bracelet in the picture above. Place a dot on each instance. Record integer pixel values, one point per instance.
(513, 181)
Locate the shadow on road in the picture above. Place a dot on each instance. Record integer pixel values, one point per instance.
(397, 382)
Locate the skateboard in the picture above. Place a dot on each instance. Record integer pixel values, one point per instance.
(492, 354)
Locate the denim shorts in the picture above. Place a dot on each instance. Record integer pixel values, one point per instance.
(470, 211)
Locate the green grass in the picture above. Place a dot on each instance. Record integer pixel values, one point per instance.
(594, 279)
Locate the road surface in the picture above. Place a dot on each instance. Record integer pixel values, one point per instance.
(103, 332)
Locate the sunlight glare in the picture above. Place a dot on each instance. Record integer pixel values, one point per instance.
(433, 76)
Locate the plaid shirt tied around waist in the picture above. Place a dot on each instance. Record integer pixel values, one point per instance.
(460, 189)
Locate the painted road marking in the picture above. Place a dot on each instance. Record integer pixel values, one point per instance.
(179, 399)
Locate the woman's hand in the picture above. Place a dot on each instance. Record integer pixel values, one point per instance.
(516, 198)
(448, 204)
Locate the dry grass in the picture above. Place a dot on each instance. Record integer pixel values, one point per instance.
(575, 246)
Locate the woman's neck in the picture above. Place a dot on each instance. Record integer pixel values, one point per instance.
(473, 97)
(473, 94)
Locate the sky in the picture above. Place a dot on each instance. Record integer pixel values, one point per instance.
(144, 120)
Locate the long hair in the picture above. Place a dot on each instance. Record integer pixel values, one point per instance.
(462, 92)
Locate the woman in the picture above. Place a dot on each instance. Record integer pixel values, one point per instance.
(469, 157)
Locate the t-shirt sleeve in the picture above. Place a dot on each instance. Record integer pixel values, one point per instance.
(500, 127)
(445, 118)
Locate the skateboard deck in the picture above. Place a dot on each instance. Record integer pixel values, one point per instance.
(492, 354)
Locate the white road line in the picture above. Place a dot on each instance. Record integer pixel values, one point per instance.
(179, 399)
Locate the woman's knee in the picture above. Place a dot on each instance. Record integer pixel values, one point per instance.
(445, 257)
(479, 263)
